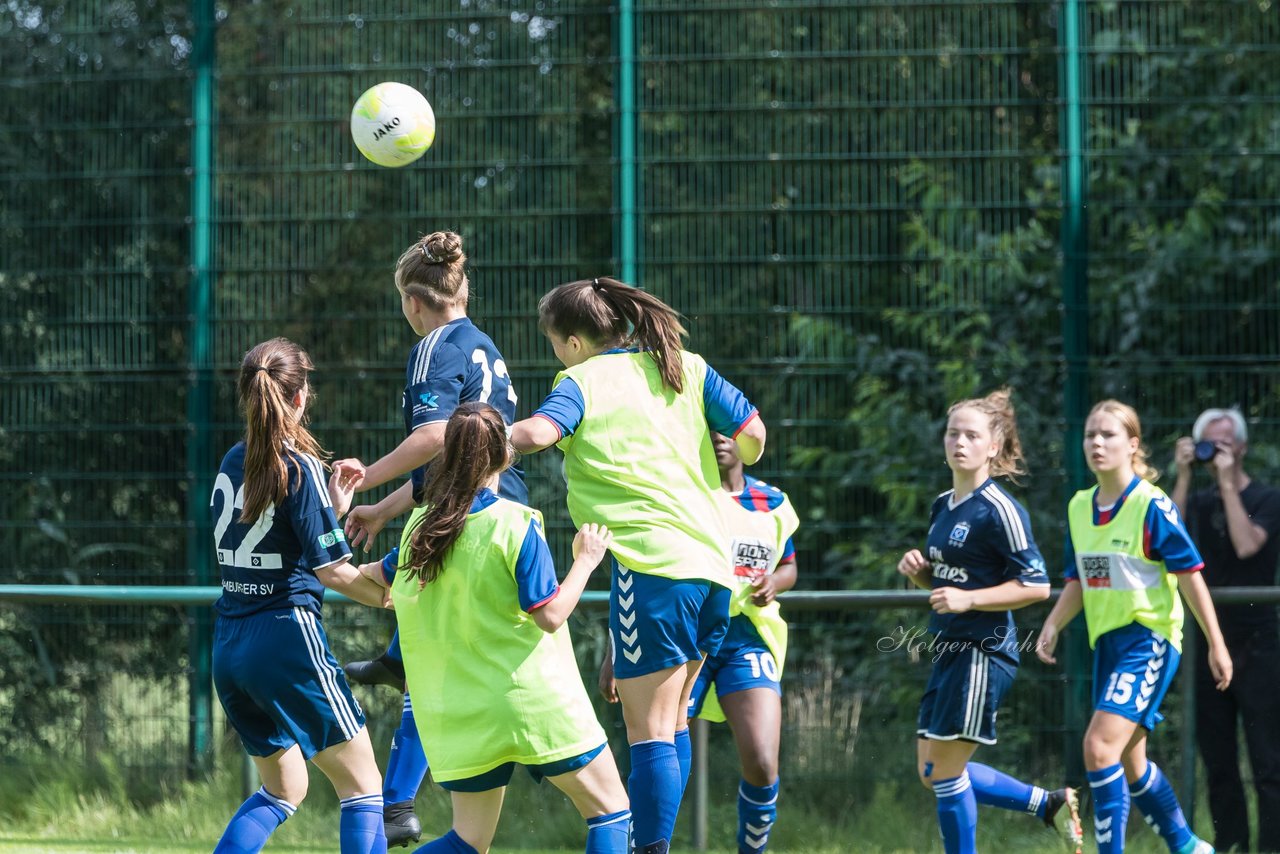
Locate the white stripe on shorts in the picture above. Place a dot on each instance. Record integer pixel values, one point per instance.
(326, 673)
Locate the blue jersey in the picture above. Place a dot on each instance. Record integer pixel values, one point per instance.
(271, 564)
(982, 541)
(727, 408)
(457, 363)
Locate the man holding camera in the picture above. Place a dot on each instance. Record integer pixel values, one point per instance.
(1236, 525)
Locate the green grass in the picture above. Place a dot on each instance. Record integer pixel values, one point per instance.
(78, 816)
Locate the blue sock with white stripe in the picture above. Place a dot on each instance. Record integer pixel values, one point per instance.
(253, 824)
(654, 787)
(1110, 808)
(450, 843)
(957, 814)
(406, 764)
(609, 834)
(997, 789)
(757, 811)
(1153, 795)
(684, 755)
(360, 828)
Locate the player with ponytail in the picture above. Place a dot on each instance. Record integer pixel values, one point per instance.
(452, 363)
(982, 563)
(279, 546)
(1128, 559)
(488, 658)
(633, 413)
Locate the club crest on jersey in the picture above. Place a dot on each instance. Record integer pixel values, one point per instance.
(958, 535)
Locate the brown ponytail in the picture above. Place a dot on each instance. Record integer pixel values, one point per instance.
(271, 375)
(609, 313)
(475, 449)
(432, 270)
(998, 408)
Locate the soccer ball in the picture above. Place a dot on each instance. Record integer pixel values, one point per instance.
(392, 124)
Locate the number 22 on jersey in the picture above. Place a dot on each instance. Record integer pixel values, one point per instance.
(241, 554)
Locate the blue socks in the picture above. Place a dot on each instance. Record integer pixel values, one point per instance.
(1159, 805)
(609, 834)
(957, 814)
(406, 764)
(684, 753)
(393, 649)
(450, 843)
(655, 789)
(253, 823)
(757, 811)
(360, 826)
(1110, 807)
(997, 789)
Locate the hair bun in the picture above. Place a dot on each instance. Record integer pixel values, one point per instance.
(443, 247)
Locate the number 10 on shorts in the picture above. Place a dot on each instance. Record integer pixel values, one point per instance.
(762, 662)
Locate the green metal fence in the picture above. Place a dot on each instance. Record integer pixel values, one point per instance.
(865, 209)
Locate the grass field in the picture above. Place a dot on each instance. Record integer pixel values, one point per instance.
(38, 815)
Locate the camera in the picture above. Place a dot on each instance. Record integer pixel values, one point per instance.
(1205, 451)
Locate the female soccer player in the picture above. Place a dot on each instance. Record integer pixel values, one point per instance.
(454, 362)
(982, 563)
(631, 413)
(1128, 557)
(279, 545)
(742, 682)
(489, 661)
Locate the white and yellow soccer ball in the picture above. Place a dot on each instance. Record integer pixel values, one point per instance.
(392, 124)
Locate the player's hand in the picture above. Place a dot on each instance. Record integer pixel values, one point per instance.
(951, 600)
(591, 542)
(764, 592)
(1223, 461)
(1184, 454)
(363, 524)
(608, 685)
(1047, 643)
(342, 488)
(373, 572)
(1220, 666)
(350, 465)
(912, 564)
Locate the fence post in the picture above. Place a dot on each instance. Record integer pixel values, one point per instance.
(700, 730)
(200, 382)
(1075, 343)
(626, 146)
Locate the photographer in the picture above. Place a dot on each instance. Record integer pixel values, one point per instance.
(1235, 522)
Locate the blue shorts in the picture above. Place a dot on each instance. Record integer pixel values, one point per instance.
(657, 622)
(1132, 670)
(964, 694)
(501, 776)
(280, 685)
(743, 662)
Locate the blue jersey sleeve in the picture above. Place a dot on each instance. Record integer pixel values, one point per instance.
(564, 407)
(1014, 540)
(535, 573)
(436, 376)
(320, 537)
(1165, 538)
(389, 563)
(727, 408)
(788, 551)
